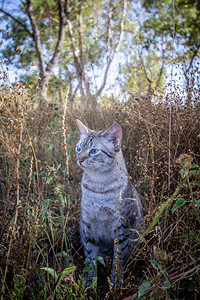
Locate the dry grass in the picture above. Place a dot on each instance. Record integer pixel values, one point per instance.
(40, 196)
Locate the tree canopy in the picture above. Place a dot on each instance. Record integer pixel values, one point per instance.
(76, 43)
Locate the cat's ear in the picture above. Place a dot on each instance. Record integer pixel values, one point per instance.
(114, 134)
(82, 128)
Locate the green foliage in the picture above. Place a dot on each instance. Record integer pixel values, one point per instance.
(143, 288)
(58, 278)
(178, 204)
(93, 263)
(145, 53)
(19, 287)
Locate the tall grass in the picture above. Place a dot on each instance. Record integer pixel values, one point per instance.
(40, 251)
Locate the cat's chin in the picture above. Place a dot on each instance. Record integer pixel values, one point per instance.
(80, 165)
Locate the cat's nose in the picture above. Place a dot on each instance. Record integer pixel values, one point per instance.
(81, 161)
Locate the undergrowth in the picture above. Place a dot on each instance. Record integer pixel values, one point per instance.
(40, 252)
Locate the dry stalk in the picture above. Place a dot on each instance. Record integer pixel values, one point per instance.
(17, 205)
(152, 158)
(170, 104)
(64, 133)
(31, 173)
(36, 165)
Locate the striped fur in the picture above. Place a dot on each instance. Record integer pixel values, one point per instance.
(110, 205)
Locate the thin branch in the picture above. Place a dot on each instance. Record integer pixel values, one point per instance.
(17, 21)
(109, 31)
(36, 37)
(61, 34)
(110, 59)
(193, 57)
(74, 49)
(146, 75)
(121, 28)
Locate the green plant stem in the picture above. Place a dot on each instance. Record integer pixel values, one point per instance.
(161, 211)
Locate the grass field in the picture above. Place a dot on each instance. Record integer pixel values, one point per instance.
(40, 252)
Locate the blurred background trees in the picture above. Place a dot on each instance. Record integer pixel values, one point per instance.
(102, 46)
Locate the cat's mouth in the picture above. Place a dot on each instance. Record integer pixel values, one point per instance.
(80, 161)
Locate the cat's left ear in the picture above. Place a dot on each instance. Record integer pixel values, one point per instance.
(114, 134)
(82, 128)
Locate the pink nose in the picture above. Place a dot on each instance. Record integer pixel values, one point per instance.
(81, 161)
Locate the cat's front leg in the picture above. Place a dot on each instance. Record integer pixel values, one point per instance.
(91, 252)
(91, 249)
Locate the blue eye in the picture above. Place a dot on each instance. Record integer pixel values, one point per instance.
(78, 149)
(94, 151)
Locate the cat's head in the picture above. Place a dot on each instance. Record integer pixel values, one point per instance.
(96, 150)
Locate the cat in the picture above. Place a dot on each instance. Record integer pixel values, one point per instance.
(111, 210)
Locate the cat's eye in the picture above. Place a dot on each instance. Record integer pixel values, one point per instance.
(78, 149)
(94, 151)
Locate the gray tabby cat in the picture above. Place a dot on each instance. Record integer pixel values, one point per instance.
(111, 211)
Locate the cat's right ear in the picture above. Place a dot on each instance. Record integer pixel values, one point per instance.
(82, 128)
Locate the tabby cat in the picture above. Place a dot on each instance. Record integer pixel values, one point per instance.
(111, 211)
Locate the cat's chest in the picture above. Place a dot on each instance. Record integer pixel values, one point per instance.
(99, 205)
(101, 218)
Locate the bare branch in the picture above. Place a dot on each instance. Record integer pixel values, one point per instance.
(109, 31)
(110, 59)
(36, 37)
(160, 74)
(81, 53)
(195, 53)
(122, 28)
(62, 25)
(17, 21)
(75, 51)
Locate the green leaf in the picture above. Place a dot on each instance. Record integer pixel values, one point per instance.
(63, 253)
(87, 261)
(180, 202)
(51, 271)
(198, 202)
(195, 166)
(196, 172)
(94, 283)
(49, 180)
(143, 288)
(184, 174)
(63, 198)
(65, 272)
(45, 205)
(101, 260)
(155, 265)
(58, 167)
(168, 279)
(198, 183)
